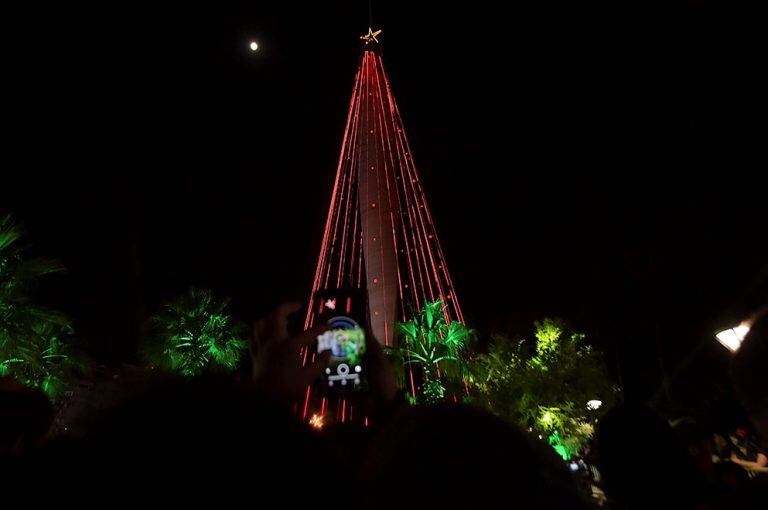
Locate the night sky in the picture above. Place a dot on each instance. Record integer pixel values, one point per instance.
(601, 161)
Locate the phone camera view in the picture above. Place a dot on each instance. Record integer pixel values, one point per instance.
(346, 341)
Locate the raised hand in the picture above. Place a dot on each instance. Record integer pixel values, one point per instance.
(277, 355)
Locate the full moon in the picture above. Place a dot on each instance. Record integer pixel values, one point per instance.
(254, 46)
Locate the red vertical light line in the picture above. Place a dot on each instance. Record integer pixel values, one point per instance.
(421, 242)
(343, 410)
(446, 273)
(397, 256)
(425, 235)
(306, 404)
(345, 223)
(404, 211)
(322, 406)
(412, 247)
(413, 383)
(406, 240)
(354, 196)
(326, 233)
(386, 142)
(413, 252)
(417, 251)
(334, 247)
(353, 250)
(386, 149)
(360, 262)
(388, 137)
(397, 121)
(413, 290)
(408, 255)
(352, 204)
(371, 121)
(366, 199)
(419, 193)
(385, 138)
(340, 174)
(344, 198)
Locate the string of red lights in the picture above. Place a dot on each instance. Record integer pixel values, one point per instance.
(379, 233)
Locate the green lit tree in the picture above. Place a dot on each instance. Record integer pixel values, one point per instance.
(546, 386)
(193, 334)
(438, 348)
(34, 341)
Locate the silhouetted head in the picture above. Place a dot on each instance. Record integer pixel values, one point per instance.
(26, 416)
(748, 372)
(643, 462)
(447, 455)
(206, 443)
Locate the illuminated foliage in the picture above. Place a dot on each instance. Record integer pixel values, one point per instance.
(545, 387)
(437, 348)
(193, 334)
(34, 341)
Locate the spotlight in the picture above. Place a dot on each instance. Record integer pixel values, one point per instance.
(731, 338)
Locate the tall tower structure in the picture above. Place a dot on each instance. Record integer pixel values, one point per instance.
(379, 234)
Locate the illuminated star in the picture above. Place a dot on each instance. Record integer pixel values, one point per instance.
(370, 36)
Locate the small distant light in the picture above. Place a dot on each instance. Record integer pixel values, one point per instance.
(574, 466)
(732, 338)
(547, 418)
(316, 421)
(540, 436)
(254, 46)
(594, 405)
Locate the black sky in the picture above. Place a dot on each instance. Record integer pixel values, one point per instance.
(601, 161)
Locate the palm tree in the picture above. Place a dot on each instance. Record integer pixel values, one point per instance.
(193, 334)
(437, 346)
(34, 341)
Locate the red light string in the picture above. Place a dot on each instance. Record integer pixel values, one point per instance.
(374, 125)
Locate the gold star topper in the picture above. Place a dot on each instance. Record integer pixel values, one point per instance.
(370, 36)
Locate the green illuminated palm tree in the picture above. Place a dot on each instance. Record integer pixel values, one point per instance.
(193, 335)
(34, 341)
(437, 347)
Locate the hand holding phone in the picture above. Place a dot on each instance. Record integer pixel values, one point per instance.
(343, 314)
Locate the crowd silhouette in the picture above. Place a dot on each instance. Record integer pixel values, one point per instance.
(228, 442)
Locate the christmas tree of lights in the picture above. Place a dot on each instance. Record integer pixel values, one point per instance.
(379, 234)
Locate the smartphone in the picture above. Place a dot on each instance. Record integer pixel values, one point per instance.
(344, 311)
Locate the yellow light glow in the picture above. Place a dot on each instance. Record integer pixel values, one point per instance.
(731, 338)
(254, 46)
(316, 421)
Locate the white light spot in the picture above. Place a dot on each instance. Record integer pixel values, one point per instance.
(254, 46)
(732, 338)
